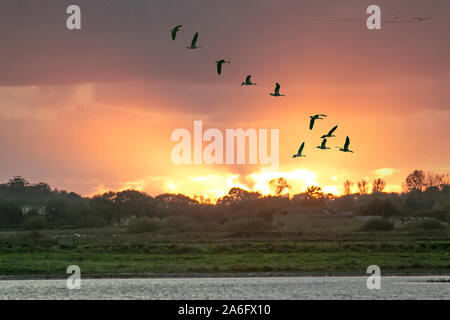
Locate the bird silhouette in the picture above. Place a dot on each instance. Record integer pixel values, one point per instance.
(248, 81)
(323, 146)
(420, 18)
(277, 91)
(219, 65)
(330, 133)
(345, 148)
(194, 42)
(396, 19)
(299, 152)
(314, 118)
(175, 30)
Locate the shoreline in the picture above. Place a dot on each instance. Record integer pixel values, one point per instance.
(405, 273)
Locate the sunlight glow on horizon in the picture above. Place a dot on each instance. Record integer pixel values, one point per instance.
(214, 186)
(211, 187)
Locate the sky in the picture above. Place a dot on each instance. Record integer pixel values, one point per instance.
(93, 110)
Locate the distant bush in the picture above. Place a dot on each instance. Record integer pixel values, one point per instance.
(143, 225)
(427, 224)
(248, 225)
(179, 224)
(379, 207)
(91, 222)
(378, 224)
(35, 223)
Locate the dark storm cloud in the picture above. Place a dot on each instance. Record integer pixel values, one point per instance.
(119, 40)
(124, 50)
(129, 40)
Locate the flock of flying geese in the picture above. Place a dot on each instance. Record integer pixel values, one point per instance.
(221, 62)
(276, 93)
(323, 145)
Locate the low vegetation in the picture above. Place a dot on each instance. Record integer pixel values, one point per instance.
(378, 224)
(43, 230)
(115, 252)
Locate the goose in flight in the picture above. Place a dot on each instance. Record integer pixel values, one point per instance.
(219, 65)
(299, 152)
(395, 19)
(248, 81)
(345, 148)
(420, 18)
(277, 91)
(330, 133)
(314, 118)
(323, 146)
(194, 42)
(175, 30)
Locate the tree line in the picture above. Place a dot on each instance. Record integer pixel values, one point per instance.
(36, 206)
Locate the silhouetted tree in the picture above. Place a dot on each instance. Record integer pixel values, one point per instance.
(314, 192)
(379, 207)
(17, 182)
(433, 179)
(313, 196)
(415, 181)
(236, 195)
(348, 187)
(378, 185)
(132, 203)
(104, 209)
(279, 185)
(445, 179)
(363, 186)
(168, 204)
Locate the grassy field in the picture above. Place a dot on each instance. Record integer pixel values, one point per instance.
(113, 252)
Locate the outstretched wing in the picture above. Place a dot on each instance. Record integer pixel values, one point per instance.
(194, 40)
(247, 80)
(219, 67)
(301, 148)
(332, 130)
(277, 88)
(347, 142)
(324, 143)
(311, 123)
(175, 30)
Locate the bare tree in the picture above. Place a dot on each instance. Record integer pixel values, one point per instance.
(378, 185)
(445, 179)
(415, 181)
(433, 179)
(348, 187)
(363, 186)
(314, 192)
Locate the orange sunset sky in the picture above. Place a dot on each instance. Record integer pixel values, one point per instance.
(93, 110)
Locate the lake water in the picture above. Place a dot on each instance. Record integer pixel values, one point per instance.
(229, 288)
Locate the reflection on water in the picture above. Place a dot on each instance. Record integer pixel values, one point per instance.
(229, 288)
